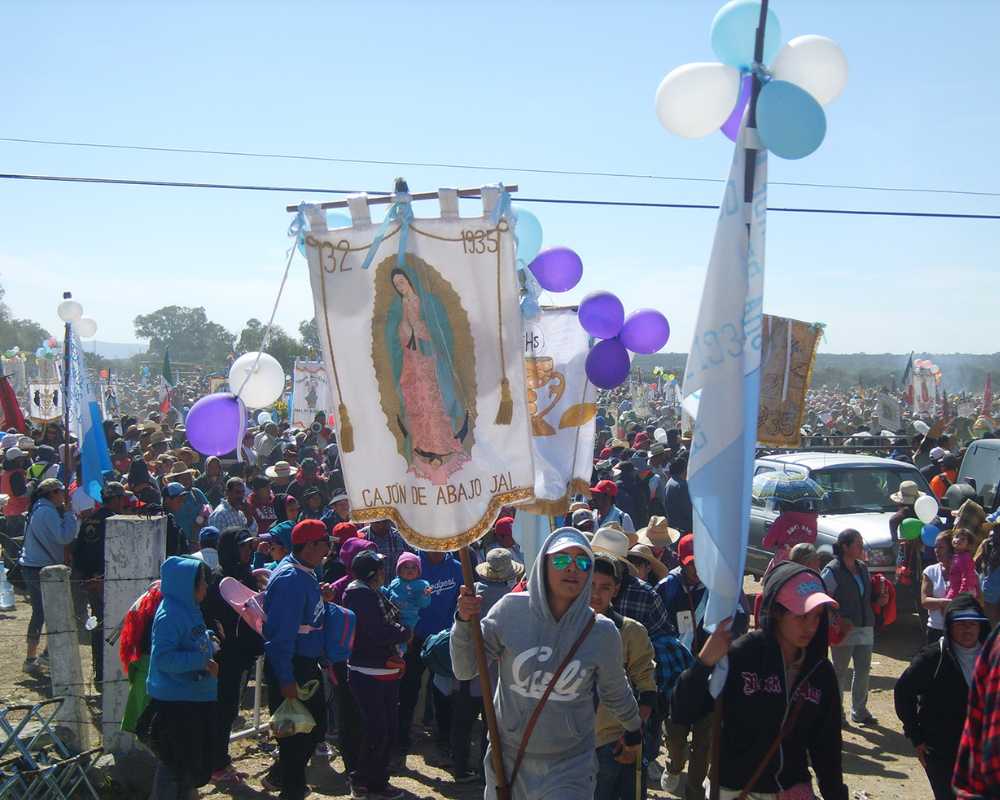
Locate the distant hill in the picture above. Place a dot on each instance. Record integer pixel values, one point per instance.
(960, 371)
(115, 350)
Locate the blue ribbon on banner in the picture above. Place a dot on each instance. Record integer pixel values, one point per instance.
(402, 213)
(503, 209)
(297, 227)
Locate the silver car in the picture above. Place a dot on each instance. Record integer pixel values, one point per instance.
(857, 496)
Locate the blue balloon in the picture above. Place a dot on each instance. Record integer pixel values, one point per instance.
(790, 121)
(734, 33)
(528, 231)
(929, 534)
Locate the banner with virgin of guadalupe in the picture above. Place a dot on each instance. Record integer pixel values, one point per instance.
(788, 352)
(421, 335)
(310, 392)
(563, 406)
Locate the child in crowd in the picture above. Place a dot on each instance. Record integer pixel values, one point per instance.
(962, 577)
(408, 591)
(182, 686)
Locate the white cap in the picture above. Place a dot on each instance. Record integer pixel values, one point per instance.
(937, 453)
(567, 541)
(13, 452)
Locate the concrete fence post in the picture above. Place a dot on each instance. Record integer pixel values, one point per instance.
(66, 669)
(134, 548)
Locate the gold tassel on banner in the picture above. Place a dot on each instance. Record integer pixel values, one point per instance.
(506, 411)
(346, 438)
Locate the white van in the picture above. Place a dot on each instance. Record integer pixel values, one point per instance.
(982, 465)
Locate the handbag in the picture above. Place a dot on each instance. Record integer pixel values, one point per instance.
(533, 720)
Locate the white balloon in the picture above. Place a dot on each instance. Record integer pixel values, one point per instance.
(815, 63)
(660, 435)
(926, 509)
(695, 99)
(69, 311)
(86, 327)
(262, 386)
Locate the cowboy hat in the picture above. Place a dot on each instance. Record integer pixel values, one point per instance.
(499, 566)
(658, 533)
(614, 542)
(180, 468)
(281, 469)
(646, 554)
(908, 494)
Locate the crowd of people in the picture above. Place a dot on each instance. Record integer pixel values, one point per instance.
(598, 658)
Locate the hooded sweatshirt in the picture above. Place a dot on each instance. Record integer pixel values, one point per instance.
(521, 634)
(757, 700)
(348, 551)
(295, 614)
(445, 579)
(932, 693)
(181, 647)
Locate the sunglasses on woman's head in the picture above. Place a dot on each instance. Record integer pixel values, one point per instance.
(560, 561)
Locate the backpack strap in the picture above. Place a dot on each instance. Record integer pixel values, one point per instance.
(545, 696)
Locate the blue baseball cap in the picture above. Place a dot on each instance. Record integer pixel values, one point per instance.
(208, 535)
(175, 489)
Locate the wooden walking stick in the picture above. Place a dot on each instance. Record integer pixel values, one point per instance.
(489, 713)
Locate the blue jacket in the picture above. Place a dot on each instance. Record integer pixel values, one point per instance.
(445, 580)
(182, 647)
(295, 613)
(47, 533)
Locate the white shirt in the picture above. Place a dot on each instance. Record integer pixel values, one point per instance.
(936, 574)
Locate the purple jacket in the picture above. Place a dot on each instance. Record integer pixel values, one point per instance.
(378, 628)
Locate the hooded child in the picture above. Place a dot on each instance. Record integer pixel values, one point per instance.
(409, 591)
(530, 634)
(182, 683)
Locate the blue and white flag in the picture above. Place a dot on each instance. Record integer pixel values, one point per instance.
(86, 421)
(722, 386)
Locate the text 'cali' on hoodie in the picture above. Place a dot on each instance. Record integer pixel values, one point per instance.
(521, 634)
(181, 646)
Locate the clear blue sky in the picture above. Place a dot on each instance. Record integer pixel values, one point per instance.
(555, 85)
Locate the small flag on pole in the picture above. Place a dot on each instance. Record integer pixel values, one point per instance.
(988, 396)
(166, 385)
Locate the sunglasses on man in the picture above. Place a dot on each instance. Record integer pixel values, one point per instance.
(561, 561)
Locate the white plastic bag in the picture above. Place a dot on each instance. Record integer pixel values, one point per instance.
(292, 717)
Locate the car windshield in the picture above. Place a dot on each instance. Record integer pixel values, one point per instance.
(855, 490)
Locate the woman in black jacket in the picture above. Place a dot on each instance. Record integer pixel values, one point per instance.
(241, 644)
(780, 695)
(932, 694)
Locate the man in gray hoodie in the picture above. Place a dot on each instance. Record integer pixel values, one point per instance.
(529, 634)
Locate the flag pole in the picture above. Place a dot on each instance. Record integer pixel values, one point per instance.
(749, 171)
(67, 336)
(503, 791)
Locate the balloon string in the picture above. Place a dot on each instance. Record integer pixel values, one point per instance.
(298, 232)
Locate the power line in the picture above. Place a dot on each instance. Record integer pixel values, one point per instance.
(553, 200)
(447, 165)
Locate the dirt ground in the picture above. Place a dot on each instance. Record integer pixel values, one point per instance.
(878, 762)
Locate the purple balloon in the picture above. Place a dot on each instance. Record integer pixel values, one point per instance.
(214, 423)
(557, 269)
(607, 364)
(645, 331)
(731, 127)
(601, 314)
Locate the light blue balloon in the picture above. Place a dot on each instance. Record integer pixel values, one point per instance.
(734, 33)
(790, 121)
(528, 231)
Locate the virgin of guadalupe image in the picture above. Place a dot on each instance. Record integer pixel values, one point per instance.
(432, 413)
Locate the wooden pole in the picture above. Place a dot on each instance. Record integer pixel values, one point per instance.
(486, 685)
(390, 198)
(749, 174)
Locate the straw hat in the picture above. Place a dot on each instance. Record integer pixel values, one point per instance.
(908, 494)
(646, 554)
(281, 469)
(614, 542)
(500, 566)
(180, 468)
(577, 505)
(658, 533)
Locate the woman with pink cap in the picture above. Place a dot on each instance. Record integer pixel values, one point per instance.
(779, 693)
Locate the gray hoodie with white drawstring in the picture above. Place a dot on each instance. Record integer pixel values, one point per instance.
(529, 644)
